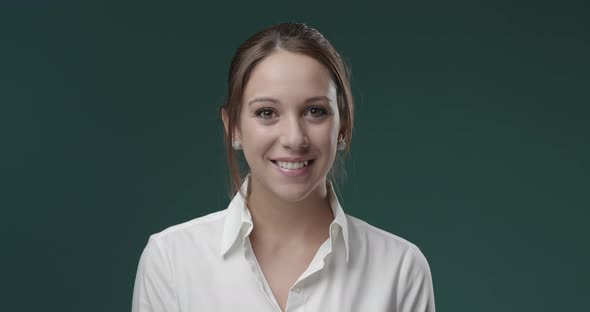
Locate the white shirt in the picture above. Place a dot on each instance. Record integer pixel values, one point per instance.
(207, 264)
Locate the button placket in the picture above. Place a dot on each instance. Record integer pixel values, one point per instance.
(296, 300)
(334, 230)
(258, 275)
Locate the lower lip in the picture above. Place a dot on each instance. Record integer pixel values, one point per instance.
(293, 172)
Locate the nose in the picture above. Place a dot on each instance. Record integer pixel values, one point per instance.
(294, 134)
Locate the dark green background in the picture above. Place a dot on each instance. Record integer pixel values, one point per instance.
(471, 140)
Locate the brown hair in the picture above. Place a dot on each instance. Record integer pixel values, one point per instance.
(296, 38)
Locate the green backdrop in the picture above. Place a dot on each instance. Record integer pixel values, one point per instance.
(471, 140)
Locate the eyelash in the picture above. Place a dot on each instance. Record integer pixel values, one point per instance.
(323, 111)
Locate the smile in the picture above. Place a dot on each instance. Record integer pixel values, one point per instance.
(292, 169)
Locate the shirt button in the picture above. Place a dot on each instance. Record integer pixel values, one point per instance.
(296, 289)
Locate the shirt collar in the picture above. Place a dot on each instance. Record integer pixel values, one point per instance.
(238, 220)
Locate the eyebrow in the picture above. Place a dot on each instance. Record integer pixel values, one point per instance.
(275, 101)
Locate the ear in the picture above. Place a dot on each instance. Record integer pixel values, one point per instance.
(341, 133)
(225, 119)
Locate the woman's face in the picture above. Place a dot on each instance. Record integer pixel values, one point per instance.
(289, 112)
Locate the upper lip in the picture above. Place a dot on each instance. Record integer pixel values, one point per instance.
(291, 159)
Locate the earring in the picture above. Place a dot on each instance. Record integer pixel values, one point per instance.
(236, 145)
(341, 145)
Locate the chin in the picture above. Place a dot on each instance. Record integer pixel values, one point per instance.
(292, 193)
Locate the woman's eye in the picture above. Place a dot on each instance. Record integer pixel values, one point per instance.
(317, 112)
(264, 113)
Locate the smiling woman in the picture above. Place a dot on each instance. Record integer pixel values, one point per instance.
(284, 242)
(292, 86)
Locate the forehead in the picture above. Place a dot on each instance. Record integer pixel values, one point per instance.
(289, 76)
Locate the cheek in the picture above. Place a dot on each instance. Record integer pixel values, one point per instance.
(255, 134)
(256, 139)
(325, 136)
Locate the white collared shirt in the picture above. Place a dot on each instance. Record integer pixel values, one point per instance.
(207, 264)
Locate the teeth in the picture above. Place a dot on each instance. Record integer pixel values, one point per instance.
(292, 165)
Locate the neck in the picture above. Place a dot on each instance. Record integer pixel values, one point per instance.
(278, 222)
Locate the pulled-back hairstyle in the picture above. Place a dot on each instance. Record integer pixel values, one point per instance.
(295, 38)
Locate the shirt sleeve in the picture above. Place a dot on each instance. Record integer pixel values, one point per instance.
(154, 289)
(415, 292)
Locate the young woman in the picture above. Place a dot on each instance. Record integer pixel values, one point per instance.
(284, 243)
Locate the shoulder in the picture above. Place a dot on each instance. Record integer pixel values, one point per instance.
(196, 231)
(394, 260)
(377, 242)
(369, 233)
